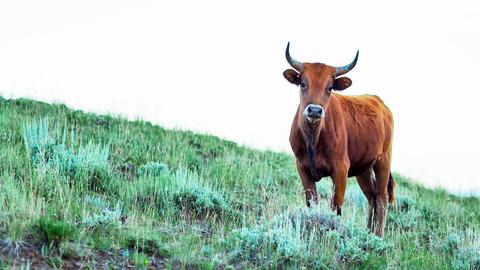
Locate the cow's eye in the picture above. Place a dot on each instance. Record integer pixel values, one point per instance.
(303, 85)
(329, 89)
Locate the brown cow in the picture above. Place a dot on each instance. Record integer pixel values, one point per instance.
(341, 136)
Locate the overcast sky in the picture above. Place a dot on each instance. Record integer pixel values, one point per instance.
(216, 67)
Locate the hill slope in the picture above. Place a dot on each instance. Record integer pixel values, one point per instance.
(82, 190)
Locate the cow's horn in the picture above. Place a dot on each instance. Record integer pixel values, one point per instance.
(298, 66)
(342, 70)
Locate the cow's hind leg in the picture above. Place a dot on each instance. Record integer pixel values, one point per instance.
(382, 176)
(366, 181)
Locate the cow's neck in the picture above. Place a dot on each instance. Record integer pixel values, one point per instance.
(316, 137)
(311, 135)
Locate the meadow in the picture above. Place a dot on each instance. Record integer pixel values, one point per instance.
(79, 190)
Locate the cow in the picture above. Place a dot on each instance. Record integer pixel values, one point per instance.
(339, 136)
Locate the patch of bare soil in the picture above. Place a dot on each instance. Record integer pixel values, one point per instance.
(26, 254)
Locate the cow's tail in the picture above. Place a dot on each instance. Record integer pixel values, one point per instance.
(391, 189)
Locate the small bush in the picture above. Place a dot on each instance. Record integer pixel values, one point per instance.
(180, 191)
(92, 159)
(152, 193)
(467, 258)
(62, 159)
(56, 231)
(153, 169)
(451, 243)
(52, 155)
(287, 246)
(190, 195)
(96, 202)
(404, 220)
(200, 200)
(250, 242)
(101, 214)
(104, 218)
(146, 242)
(275, 241)
(314, 220)
(350, 252)
(357, 243)
(404, 203)
(37, 138)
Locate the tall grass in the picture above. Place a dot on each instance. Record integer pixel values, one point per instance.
(75, 186)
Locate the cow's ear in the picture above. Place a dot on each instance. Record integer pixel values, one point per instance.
(292, 76)
(342, 83)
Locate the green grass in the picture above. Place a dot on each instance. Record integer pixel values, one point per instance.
(75, 186)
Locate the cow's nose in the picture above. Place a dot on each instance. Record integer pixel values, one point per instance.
(314, 111)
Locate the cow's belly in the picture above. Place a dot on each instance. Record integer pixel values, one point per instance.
(359, 168)
(363, 160)
(324, 168)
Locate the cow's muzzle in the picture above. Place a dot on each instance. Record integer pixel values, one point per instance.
(313, 113)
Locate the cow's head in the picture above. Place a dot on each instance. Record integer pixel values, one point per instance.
(317, 82)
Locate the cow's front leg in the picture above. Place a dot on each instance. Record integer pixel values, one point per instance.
(339, 178)
(309, 186)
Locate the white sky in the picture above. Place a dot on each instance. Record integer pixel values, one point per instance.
(216, 67)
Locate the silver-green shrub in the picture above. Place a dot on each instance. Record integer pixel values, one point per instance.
(181, 190)
(356, 243)
(403, 203)
(38, 140)
(190, 195)
(300, 235)
(463, 246)
(467, 258)
(450, 243)
(52, 154)
(153, 169)
(99, 213)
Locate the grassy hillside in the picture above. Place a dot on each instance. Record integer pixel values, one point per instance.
(82, 190)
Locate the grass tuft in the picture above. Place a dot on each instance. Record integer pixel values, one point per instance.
(56, 231)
